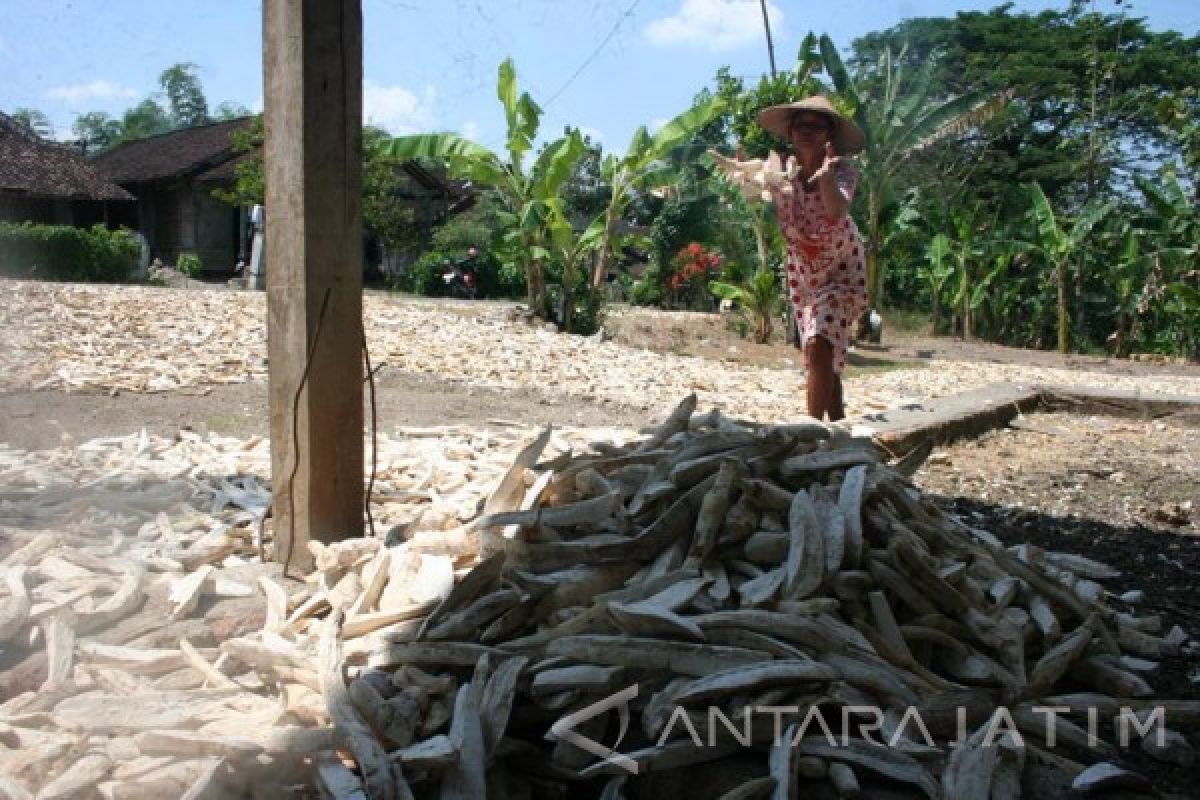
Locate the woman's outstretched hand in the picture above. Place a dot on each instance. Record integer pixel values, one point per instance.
(829, 164)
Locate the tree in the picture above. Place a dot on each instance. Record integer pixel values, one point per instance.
(185, 97)
(96, 130)
(898, 117)
(643, 168)
(940, 269)
(249, 185)
(529, 195)
(758, 298)
(1097, 98)
(229, 110)
(147, 118)
(1059, 247)
(34, 121)
(384, 216)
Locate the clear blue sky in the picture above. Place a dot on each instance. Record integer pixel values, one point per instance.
(604, 65)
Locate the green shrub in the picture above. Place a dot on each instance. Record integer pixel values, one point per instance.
(189, 264)
(63, 253)
(424, 276)
(648, 290)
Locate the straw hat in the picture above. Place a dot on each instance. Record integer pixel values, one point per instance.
(847, 138)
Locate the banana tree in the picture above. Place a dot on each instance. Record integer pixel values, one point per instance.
(1156, 286)
(940, 267)
(644, 167)
(898, 118)
(1059, 246)
(758, 298)
(571, 249)
(527, 194)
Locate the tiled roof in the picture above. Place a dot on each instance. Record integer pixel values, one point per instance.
(170, 155)
(37, 168)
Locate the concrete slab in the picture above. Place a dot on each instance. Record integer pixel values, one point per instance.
(977, 411)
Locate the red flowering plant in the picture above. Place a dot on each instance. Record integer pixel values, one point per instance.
(691, 270)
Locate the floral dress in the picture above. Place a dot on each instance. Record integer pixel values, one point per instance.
(826, 268)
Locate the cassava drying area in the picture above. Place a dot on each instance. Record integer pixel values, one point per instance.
(724, 563)
(737, 608)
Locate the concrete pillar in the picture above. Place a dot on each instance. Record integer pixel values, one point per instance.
(312, 53)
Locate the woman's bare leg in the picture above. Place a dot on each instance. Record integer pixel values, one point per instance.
(819, 377)
(837, 408)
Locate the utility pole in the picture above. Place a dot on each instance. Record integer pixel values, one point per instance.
(770, 43)
(312, 59)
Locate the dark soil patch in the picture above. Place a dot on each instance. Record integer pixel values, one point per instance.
(44, 419)
(1121, 491)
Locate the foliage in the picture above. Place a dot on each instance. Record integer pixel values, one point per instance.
(185, 96)
(531, 196)
(938, 271)
(34, 121)
(385, 218)
(227, 110)
(249, 185)
(651, 162)
(186, 107)
(758, 300)
(477, 228)
(648, 290)
(692, 270)
(741, 103)
(1058, 246)
(147, 118)
(97, 131)
(898, 117)
(60, 252)
(189, 264)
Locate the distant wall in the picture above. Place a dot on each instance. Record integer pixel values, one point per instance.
(214, 230)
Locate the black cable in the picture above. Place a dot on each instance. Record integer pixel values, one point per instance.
(592, 57)
(312, 349)
(374, 436)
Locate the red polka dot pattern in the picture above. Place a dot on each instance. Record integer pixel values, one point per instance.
(826, 269)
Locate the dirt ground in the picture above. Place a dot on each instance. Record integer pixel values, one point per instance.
(710, 336)
(1120, 490)
(39, 419)
(35, 420)
(1117, 489)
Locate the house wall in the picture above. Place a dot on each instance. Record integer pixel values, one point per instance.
(78, 213)
(26, 209)
(214, 230)
(184, 217)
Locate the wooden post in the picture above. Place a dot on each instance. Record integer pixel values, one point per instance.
(312, 54)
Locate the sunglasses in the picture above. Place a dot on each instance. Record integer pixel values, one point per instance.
(817, 126)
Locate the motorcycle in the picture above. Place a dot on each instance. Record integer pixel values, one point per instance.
(459, 277)
(460, 282)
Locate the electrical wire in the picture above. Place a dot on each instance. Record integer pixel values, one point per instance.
(291, 481)
(592, 56)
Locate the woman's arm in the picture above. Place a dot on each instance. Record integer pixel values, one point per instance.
(835, 198)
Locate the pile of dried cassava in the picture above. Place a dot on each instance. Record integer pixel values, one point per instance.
(723, 569)
(131, 566)
(698, 578)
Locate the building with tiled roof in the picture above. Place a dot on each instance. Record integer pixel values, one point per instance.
(50, 183)
(173, 176)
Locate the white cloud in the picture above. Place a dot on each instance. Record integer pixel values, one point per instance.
(595, 134)
(714, 24)
(96, 90)
(471, 130)
(397, 109)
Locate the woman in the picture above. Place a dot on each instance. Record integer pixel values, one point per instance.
(826, 273)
